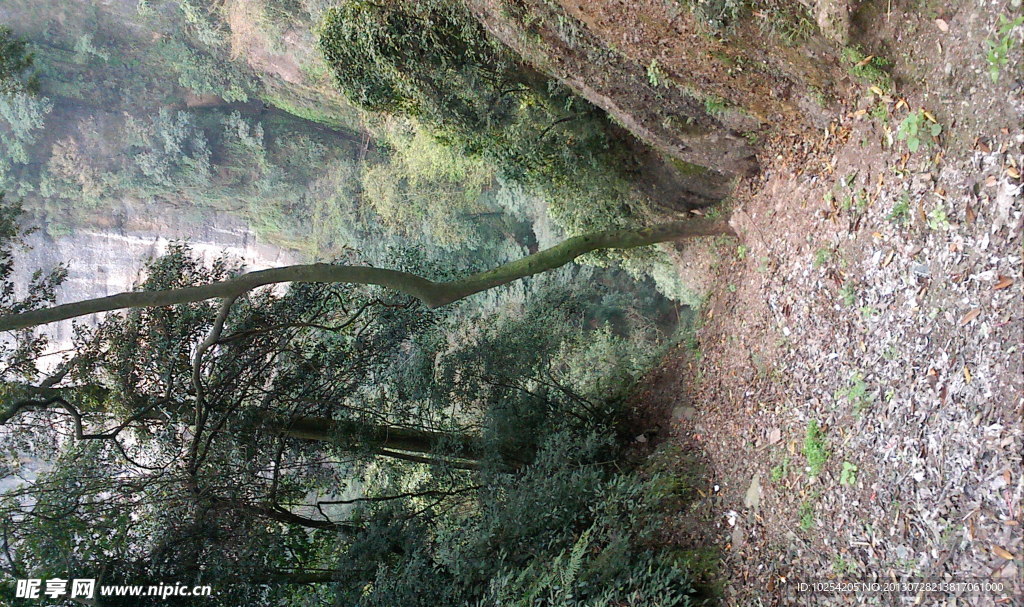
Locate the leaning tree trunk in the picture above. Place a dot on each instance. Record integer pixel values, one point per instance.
(459, 451)
(432, 294)
(379, 436)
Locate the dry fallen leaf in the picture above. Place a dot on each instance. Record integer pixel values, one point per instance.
(970, 316)
(1004, 282)
(967, 375)
(1012, 172)
(865, 61)
(971, 214)
(942, 25)
(1003, 552)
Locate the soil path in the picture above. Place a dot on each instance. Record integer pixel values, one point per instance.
(856, 384)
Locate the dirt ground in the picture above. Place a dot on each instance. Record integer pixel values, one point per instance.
(855, 389)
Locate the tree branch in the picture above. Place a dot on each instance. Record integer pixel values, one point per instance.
(432, 294)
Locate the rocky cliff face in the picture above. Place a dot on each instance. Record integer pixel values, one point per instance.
(105, 261)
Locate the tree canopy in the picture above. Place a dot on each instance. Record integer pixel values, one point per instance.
(15, 65)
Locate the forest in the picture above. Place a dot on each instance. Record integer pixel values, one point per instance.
(662, 303)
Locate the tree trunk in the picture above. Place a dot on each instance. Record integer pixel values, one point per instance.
(432, 294)
(384, 440)
(284, 516)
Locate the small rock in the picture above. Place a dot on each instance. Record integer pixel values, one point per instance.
(684, 412)
(738, 537)
(753, 497)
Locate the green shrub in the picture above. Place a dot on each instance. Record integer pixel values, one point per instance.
(478, 97)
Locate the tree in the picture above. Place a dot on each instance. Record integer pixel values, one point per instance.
(432, 294)
(191, 458)
(15, 65)
(434, 62)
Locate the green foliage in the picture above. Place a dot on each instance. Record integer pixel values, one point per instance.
(806, 516)
(901, 210)
(478, 97)
(717, 15)
(70, 176)
(245, 147)
(868, 68)
(15, 65)
(205, 74)
(848, 293)
(791, 22)
(85, 48)
(427, 187)
(821, 257)
(201, 25)
(21, 351)
(938, 219)
(917, 128)
(169, 151)
(856, 393)
(656, 75)
(848, 475)
(714, 105)
(781, 471)
(814, 448)
(23, 115)
(999, 47)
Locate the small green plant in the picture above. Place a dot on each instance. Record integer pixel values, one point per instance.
(868, 312)
(821, 257)
(848, 293)
(917, 128)
(742, 251)
(880, 113)
(656, 75)
(732, 288)
(781, 471)
(861, 201)
(999, 47)
(848, 475)
(937, 219)
(841, 566)
(714, 105)
(806, 516)
(901, 210)
(868, 68)
(856, 392)
(814, 448)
